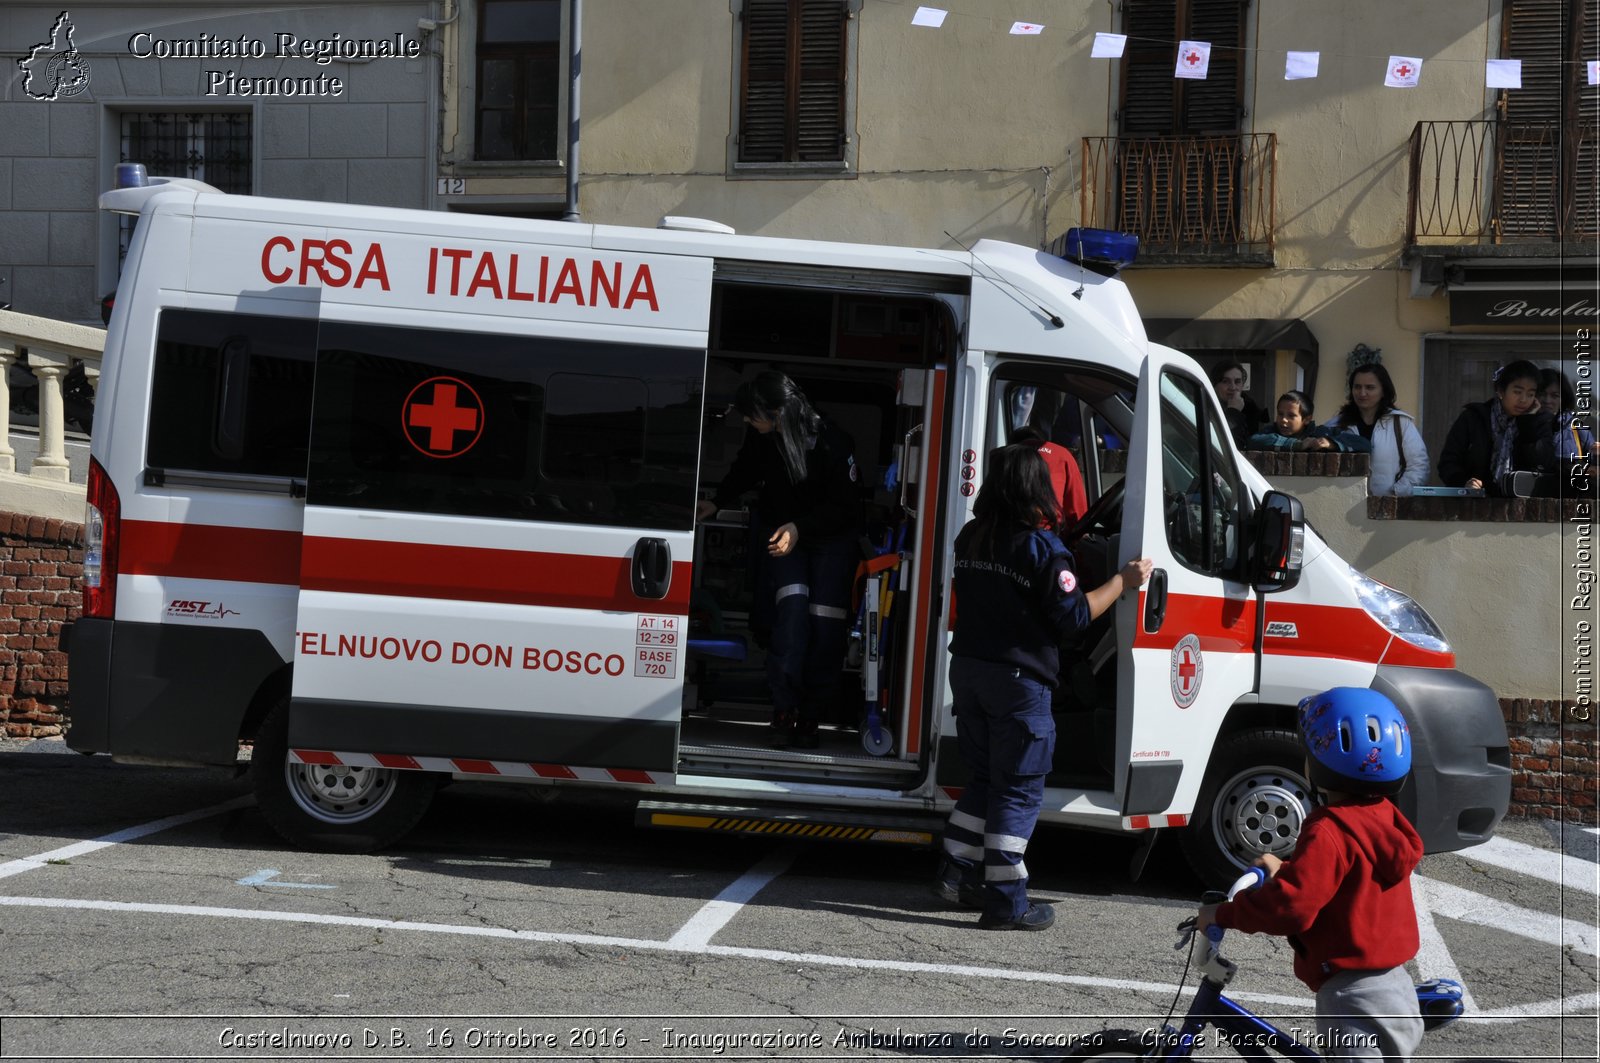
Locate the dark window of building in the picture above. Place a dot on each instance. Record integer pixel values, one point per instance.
(214, 147)
(1548, 142)
(505, 426)
(231, 394)
(792, 82)
(519, 79)
(1156, 103)
(1185, 183)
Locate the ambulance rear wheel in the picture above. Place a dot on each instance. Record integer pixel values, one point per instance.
(334, 808)
(1254, 800)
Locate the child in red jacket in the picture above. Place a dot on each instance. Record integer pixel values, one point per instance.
(1343, 898)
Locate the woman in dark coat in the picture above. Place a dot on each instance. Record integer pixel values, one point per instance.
(1503, 435)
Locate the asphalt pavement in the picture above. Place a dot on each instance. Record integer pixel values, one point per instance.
(149, 911)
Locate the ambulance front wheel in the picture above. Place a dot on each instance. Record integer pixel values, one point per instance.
(334, 808)
(1254, 800)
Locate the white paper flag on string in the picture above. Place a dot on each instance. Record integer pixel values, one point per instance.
(1108, 46)
(1503, 74)
(1194, 59)
(929, 16)
(1026, 29)
(1594, 71)
(1301, 65)
(1404, 72)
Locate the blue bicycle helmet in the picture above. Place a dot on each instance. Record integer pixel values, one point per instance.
(1357, 740)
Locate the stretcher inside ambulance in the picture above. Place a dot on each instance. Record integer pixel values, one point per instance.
(396, 496)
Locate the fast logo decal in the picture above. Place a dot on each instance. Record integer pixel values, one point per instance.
(437, 412)
(1187, 670)
(184, 608)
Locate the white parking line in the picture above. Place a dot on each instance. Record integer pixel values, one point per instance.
(705, 923)
(1453, 902)
(1552, 865)
(67, 852)
(1433, 955)
(1010, 974)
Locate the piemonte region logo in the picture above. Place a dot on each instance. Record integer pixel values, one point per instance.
(54, 70)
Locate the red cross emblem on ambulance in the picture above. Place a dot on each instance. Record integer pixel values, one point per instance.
(442, 417)
(1188, 669)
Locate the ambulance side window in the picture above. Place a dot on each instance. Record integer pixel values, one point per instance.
(1199, 484)
(519, 427)
(231, 394)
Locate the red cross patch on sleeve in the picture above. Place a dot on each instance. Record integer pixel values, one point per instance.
(1068, 581)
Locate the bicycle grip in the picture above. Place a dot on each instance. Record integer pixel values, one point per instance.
(1252, 878)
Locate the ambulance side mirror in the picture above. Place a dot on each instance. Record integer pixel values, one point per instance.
(1280, 542)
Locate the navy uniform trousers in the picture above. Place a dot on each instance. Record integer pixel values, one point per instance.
(1007, 739)
(810, 626)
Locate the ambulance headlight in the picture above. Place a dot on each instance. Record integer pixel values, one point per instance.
(1398, 613)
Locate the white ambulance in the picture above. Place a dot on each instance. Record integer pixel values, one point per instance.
(400, 496)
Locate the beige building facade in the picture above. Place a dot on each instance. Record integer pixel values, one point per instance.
(1284, 222)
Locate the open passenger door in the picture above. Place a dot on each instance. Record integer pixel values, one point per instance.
(1186, 642)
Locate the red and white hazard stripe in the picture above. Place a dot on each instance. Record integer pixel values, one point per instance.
(1149, 822)
(510, 769)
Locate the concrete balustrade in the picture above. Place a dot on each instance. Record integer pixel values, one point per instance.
(48, 349)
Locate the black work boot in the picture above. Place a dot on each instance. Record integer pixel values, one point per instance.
(1039, 916)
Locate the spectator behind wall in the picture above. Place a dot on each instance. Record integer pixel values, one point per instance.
(1370, 421)
(1500, 436)
(1292, 429)
(1574, 440)
(1244, 416)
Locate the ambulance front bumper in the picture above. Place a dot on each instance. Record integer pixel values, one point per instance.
(1460, 785)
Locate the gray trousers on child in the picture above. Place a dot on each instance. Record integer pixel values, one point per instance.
(1369, 1015)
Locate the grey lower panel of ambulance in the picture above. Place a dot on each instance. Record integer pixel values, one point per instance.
(482, 734)
(166, 693)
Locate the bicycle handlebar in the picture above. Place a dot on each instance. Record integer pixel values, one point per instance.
(1251, 879)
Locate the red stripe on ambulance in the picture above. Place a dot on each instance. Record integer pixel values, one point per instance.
(476, 766)
(480, 574)
(358, 566)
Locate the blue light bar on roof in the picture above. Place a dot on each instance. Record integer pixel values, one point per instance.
(131, 175)
(1104, 247)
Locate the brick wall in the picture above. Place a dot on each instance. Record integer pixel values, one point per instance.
(1553, 759)
(41, 562)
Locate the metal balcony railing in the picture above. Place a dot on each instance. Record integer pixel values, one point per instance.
(1188, 198)
(1488, 181)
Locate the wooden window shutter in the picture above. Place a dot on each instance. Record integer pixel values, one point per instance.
(1149, 90)
(792, 104)
(1156, 103)
(1213, 105)
(1546, 142)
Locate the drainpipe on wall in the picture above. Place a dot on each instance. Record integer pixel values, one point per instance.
(574, 75)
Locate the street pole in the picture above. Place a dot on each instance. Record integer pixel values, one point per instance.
(574, 77)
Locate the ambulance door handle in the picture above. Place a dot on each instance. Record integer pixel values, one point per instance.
(652, 567)
(1155, 600)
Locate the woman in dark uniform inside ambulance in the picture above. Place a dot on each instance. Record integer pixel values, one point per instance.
(803, 468)
(1016, 597)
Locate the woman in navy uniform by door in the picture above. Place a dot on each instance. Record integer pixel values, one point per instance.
(1016, 597)
(804, 469)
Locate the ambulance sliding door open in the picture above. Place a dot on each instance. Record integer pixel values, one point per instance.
(497, 551)
(869, 362)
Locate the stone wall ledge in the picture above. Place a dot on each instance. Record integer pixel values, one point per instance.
(1492, 510)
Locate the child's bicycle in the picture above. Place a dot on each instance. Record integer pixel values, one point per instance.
(1243, 1031)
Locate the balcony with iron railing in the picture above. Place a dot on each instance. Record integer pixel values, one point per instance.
(1191, 200)
(1496, 186)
